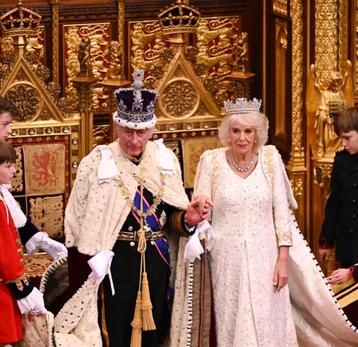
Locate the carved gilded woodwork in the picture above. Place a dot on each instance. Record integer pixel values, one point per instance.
(55, 41)
(343, 34)
(280, 7)
(329, 90)
(192, 150)
(297, 167)
(323, 104)
(213, 56)
(280, 77)
(91, 39)
(46, 136)
(326, 32)
(322, 175)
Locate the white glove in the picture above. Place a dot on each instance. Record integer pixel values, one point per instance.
(193, 248)
(42, 241)
(33, 303)
(100, 264)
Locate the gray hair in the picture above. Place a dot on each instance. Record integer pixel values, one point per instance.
(257, 120)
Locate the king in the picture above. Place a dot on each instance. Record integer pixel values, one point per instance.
(127, 204)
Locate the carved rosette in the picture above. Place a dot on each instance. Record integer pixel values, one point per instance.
(27, 100)
(179, 100)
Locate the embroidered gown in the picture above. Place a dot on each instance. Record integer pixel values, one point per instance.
(247, 233)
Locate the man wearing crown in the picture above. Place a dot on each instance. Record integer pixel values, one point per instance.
(127, 205)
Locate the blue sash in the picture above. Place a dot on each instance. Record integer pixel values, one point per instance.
(152, 221)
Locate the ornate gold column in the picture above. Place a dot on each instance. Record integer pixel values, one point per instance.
(84, 86)
(296, 166)
(55, 40)
(329, 91)
(121, 19)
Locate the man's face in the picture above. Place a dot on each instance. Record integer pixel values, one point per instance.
(350, 141)
(133, 142)
(5, 125)
(7, 172)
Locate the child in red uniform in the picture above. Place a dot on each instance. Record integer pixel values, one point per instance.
(31, 236)
(17, 295)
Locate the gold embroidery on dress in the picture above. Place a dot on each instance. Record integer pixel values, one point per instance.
(284, 237)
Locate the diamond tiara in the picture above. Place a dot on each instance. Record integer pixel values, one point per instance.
(242, 105)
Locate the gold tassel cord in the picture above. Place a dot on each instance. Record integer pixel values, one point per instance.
(143, 316)
(147, 314)
(137, 324)
(142, 242)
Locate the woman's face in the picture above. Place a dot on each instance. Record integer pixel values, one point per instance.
(242, 138)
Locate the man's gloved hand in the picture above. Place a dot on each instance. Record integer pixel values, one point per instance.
(33, 303)
(100, 264)
(193, 248)
(42, 241)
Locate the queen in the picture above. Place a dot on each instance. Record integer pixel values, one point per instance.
(246, 182)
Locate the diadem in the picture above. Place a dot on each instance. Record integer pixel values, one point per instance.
(242, 105)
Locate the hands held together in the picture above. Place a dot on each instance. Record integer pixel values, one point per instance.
(198, 209)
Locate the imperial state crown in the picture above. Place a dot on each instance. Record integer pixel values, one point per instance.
(135, 105)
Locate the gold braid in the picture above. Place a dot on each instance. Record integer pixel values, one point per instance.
(157, 199)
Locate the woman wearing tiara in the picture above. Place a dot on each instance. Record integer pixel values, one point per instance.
(251, 220)
(258, 247)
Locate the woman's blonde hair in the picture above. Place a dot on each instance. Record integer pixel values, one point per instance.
(256, 120)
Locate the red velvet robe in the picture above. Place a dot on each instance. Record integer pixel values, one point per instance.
(11, 269)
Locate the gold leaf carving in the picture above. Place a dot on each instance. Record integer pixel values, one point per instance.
(17, 182)
(26, 99)
(180, 99)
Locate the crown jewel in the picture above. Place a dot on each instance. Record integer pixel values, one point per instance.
(242, 105)
(135, 105)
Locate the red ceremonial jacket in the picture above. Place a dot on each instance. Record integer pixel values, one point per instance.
(11, 271)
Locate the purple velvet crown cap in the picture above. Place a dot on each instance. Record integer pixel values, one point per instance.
(135, 105)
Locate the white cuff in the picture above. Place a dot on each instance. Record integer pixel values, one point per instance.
(34, 243)
(193, 248)
(41, 240)
(33, 303)
(100, 264)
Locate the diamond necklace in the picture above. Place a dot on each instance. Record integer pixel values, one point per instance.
(239, 168)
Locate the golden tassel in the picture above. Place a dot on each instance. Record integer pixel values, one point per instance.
(147, 314)
(137, 324)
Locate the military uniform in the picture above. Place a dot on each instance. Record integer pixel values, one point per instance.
(13, 283)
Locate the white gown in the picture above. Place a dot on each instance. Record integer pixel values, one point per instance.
(247, 310)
